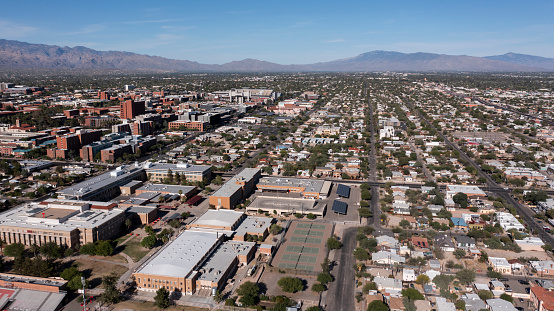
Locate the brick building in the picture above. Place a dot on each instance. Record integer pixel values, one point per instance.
(130, 109)
(190, 125)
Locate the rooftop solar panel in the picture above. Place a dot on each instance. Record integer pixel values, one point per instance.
(339, 207)
(343, 191)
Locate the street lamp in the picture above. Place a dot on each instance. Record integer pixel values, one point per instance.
(84, 297)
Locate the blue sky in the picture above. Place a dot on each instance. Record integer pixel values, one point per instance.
(285, 32)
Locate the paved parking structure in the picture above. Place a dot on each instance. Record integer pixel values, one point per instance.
(304, 246)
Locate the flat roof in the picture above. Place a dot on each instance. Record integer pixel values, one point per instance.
(287, 205)
(180, 167)
(26, 299)
(29, 216)
(254, 225)
(222, 258)
(310, 185)
(94, 184)
(231, 186)
(181, 256)
(219, 218)
(171, 189)
(465, 189)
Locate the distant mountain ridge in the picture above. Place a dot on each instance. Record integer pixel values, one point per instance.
(22, 55)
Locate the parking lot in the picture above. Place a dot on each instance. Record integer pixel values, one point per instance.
(352, 201)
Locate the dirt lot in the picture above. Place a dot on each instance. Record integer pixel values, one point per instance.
(149, 306)
(94, 270)
(270, 280)
(512, 255)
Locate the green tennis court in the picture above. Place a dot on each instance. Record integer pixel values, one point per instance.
(287, 265)
(304, 226)
(310, 250)
(316, 233)
(318, 227)
(307, 259)
(294, 249)
(305, 267)
(301, 232)
(307, 240)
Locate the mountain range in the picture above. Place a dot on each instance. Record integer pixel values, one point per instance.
(23, 55)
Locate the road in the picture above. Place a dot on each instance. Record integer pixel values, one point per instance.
(525, 213)
(372, 170)
(341, 291)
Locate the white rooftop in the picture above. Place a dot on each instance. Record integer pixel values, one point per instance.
(181, 256)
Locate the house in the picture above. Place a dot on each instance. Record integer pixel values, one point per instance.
(459, 223)
(401, 208)
(498, 304)
(420, 242)
(544, 267)
(473, 302)
(408, 275)
(531, 244)
(387, 258)
(387, 241)
(432, 274)
(465, 242)
(422, 305)
(497, 286)
(387, 283)
(396, 304)
(444, 242)
(542, 298)
(434, 264)
(500, 264)
(443, 305)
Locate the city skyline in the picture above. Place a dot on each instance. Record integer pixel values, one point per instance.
(293, 33)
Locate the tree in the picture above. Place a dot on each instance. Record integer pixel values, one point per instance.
(111, 293)
(443, 281)
(466, 276)
(14, 250)
(364, 212)
(412, 294)
(461, 199)
(291, 284)
(485, 294)
(422, 279)
(460, 305)
(149, 230)
(148, 241)
(324, 277)
(88, 249)
(104, 248)
(404, 223)
(175, 223)
(459, 253)
(275, 229)
(161, 300)
(75, 282)
(377, 305)
(318, 287)
(507, 297)
(333, 243)
(249, 292)
(361, 254)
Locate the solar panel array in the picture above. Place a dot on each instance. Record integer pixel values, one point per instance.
(343, 191)
(339, 207)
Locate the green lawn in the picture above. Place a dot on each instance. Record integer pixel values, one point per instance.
(134, 249)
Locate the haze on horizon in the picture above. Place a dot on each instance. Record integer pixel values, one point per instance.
(287, 32)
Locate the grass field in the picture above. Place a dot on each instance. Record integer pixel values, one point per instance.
(149, 306)
(134, 249)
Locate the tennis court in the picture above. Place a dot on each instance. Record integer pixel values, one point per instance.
(304, 247)
(306, 239)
